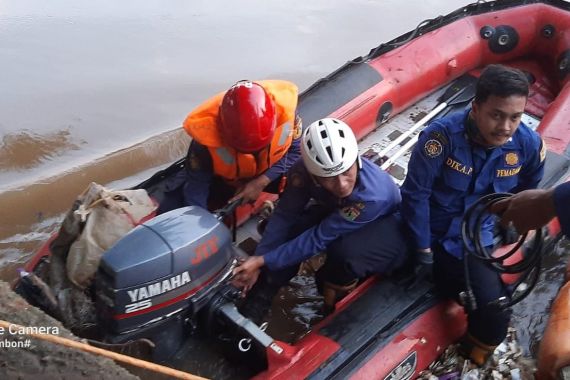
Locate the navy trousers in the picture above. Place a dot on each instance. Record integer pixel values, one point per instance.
(487, 323)
(377, 248)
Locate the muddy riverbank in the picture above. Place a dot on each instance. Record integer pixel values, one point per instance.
(22, 357)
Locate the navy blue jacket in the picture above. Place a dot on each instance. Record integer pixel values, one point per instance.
(375, 195)
(447, 173)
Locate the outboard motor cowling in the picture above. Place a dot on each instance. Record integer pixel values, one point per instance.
(164, 269)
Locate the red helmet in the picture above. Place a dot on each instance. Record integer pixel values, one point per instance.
(248, 117)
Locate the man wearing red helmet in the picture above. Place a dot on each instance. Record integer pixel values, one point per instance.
(244, 141)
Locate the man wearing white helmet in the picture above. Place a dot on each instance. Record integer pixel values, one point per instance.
(334, 202)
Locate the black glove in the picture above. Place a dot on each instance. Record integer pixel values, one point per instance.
(423, 269)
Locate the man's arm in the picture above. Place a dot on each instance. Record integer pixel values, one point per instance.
(426, 161)
(199, 175)
(290, 206)
(532, 209)
(317, 238)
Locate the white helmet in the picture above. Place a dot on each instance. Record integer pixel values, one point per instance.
(328, 147)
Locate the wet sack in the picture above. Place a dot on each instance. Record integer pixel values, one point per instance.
(107, 215)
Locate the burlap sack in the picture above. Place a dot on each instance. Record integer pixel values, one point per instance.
(108, 216)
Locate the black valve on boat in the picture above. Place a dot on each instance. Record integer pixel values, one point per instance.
(527, 267)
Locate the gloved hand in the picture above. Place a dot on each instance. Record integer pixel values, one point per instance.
(423, 269)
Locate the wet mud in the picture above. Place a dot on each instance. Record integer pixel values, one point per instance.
(22, 357)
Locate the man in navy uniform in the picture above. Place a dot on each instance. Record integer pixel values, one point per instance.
(352, 219)
(458, 159)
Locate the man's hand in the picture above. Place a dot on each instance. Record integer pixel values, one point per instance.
(246, 273)
(527, 210)
(251, 190)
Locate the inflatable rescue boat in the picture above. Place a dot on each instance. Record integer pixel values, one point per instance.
(381, 330)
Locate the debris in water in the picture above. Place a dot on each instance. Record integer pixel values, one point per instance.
(507, 363)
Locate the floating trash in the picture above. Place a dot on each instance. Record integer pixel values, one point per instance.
(506, 363)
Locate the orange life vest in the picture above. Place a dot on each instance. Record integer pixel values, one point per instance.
(202, 125)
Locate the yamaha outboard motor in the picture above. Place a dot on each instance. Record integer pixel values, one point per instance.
(153, 282)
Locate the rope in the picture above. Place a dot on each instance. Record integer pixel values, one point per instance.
(108, 354)
(105, 197)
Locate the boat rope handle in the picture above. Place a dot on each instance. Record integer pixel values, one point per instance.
(102, 352)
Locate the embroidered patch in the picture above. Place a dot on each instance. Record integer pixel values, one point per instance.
(543, 151)
(511, 158)
(298, 128)
(458, 166)
(352, 212)
(508, 172)
(433, 148)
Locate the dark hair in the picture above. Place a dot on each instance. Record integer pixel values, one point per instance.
(501, 81)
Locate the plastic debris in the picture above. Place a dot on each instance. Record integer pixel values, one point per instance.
(515, 374)
(506, 363)
(471, 375)
(448, 376)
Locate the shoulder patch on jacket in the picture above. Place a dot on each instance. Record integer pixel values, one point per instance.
(298, 127)
(433, 148)
(511, 159)
(352, 211)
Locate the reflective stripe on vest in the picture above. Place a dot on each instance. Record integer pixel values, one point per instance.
(231, 164)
